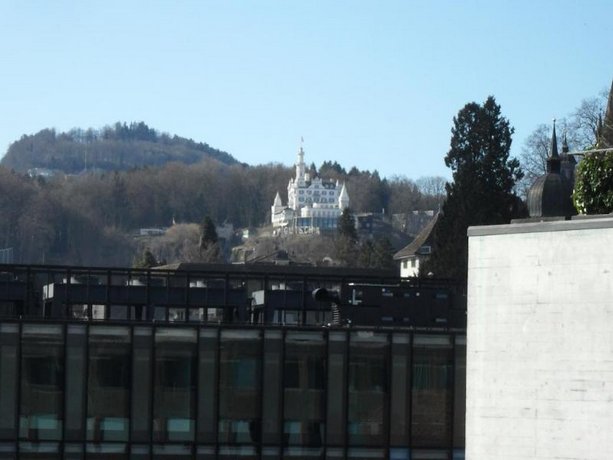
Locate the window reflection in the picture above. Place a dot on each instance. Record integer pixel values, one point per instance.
(431, 410)
(42, 370)
(459, 411)
(239, 387)
(174, 384)
(368, 388)
(108, 384)
(304, 388)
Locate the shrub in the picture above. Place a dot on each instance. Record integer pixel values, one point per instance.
(593, 192)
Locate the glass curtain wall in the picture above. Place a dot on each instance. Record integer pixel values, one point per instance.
(42, 382)
(108, 383)
(304, 389)
(432, 394)
(240, 359)
(175, 376)
(145, 392)
(368, 388)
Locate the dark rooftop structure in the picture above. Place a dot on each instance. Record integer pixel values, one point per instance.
(550, 195)
(229, 362)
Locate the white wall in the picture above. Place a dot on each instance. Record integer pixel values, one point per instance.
(409, 270)
(540, 341)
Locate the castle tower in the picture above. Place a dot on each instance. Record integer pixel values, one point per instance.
(343, 198)
(300, 167)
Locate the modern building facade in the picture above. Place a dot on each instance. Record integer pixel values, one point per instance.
(118, 391)
(123, 385)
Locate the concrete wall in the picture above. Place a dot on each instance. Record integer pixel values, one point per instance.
(540, 341)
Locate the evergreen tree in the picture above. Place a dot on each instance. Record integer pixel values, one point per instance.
(482, 189)
(146, 259)
(208, 233)
(346, 243)
(383, 254)
(346, 225)
(209, 244)
(376, 254)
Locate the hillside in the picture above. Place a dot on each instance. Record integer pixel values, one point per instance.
(113, 148)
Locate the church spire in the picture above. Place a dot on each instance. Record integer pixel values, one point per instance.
(553, 151)
(553, 162)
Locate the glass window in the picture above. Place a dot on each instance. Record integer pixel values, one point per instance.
(336, 397)
(171, 452)
(207, 386)
(432, 392)
(8, 380)
(459, 398)
(365, 454)
(233, 453)
(39, 450)
(106, 451)
(175, 378)
(108, 383)
(368, 388)
(400, 454)
(239, 387)
(304, 388)
(272, 397)
(141, 384)
(42, 382)
(303, 453)
(429, 455)
(400, 391)
(75, 370)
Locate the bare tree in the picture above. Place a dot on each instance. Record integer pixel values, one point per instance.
(580, 130)
(583, 126)
(432, 185)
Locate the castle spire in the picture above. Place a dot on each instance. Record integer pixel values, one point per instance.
(300, 167)
(277, 200)
(343, 198)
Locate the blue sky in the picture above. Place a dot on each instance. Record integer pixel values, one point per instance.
(368, 83)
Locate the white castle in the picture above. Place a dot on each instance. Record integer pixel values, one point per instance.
(313, 204)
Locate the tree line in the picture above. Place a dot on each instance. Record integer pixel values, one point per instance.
(117, 147)
(91, 218)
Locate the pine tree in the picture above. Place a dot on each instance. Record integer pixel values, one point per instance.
(482, 189)
(146, 259)
(346, 242)
(208, 233)
(209, 244)
(346, 225)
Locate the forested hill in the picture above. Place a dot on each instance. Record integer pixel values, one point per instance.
(118, 147)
